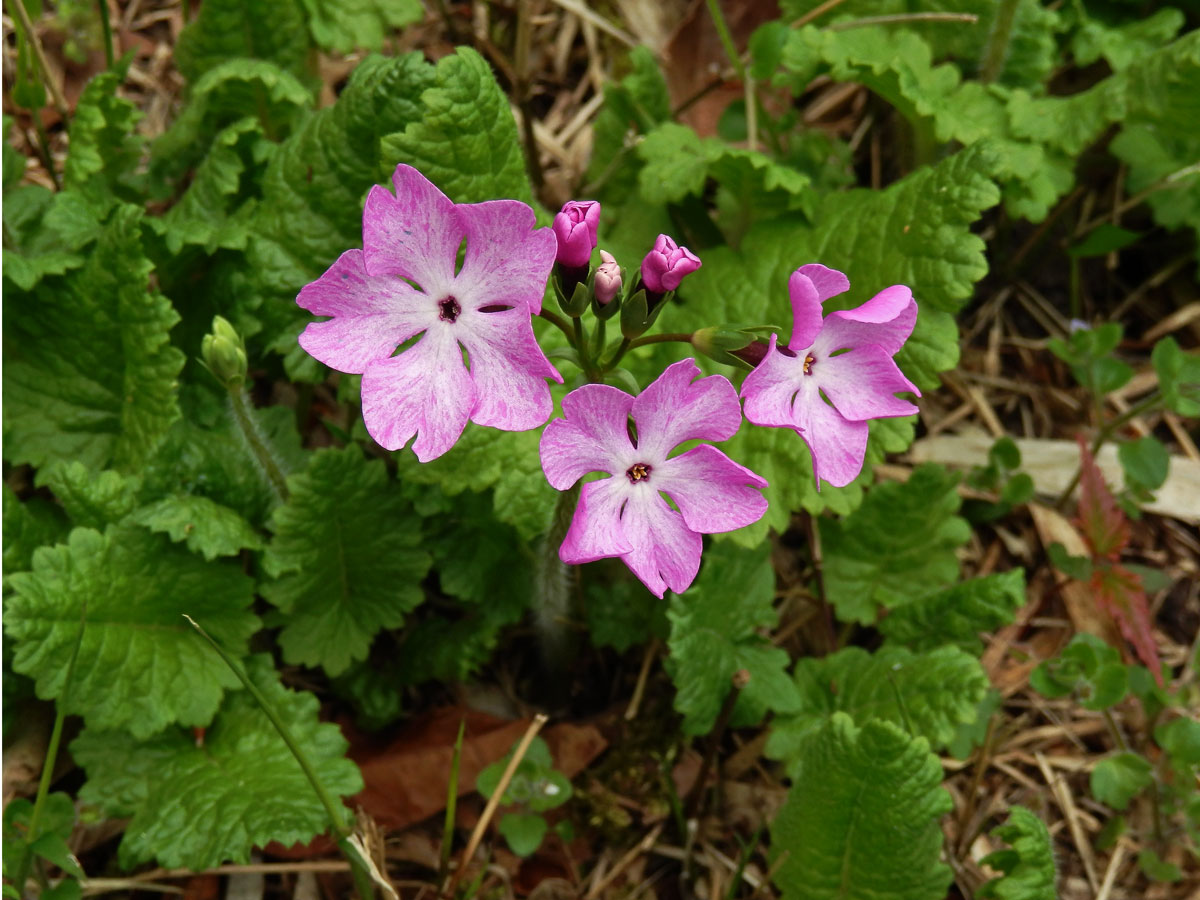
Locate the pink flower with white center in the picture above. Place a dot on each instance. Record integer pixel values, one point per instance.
(665, 266)
(836, 373)
(405, 283)
(604, 429)
(575, 230)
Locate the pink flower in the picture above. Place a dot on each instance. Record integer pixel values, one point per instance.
(575, 230)
(406, 282)
(626, 515)
(848, 358)
(666, 265)
(608, 278)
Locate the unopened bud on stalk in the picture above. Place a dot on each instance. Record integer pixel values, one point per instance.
(575, 228)
(608, 278)
(666, 265)
(224, 353)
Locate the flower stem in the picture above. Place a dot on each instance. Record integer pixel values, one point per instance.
(616, 357)
(60, 716)
(996, 49)
(257, 442)
(552, 595)
(557, 321)
(665, 338)
(718, 17)
(1106, 431)
(106, 26)
(333, 809)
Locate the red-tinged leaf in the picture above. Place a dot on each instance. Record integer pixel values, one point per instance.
(1101, 521)
(1119, 592)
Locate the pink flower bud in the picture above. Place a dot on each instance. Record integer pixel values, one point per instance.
(608, 278)
(665, 265)
(575, 228)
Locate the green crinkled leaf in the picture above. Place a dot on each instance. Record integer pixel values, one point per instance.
(1028, 867)
(715, 632)
(218, 207)
(27, 526)
(345, 25)
(91, 499)
(89, 369)
(1031, 53)
(140, 666)
(274, 30)
(678, 163)
(221, 98)
(105, 148)
(207, 527)
(957, 614)
(927, 694)
(1158, 139)
(34, 249)
(465, 140)
(861, 821)
(345, 558)
(202, 803)
(896, 548)
(1120, 45)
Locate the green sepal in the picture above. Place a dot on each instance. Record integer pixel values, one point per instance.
(717, 341)
(637, 315)
(625, 380)
(578, 301)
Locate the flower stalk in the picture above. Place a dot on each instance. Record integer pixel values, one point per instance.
(552, 593)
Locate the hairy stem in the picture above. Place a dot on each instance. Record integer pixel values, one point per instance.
(996, 49)
(664, 338)
(557, 321)
(552, 594)
(257, 442)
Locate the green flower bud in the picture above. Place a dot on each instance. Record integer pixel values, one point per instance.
(224, 353)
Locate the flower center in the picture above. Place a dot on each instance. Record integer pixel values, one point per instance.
(448, 309)
(638, 472)
(808, 364)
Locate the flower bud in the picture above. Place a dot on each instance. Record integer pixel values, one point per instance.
(608, 278)
(224, 352)
(666, 265)
(575, 229)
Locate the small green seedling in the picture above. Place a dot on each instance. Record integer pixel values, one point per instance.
(535, 787)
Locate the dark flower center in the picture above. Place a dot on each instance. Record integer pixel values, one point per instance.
(448, 309)
(638, 472)
(808, 364)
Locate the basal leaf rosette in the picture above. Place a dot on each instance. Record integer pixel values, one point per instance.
(140, 665)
